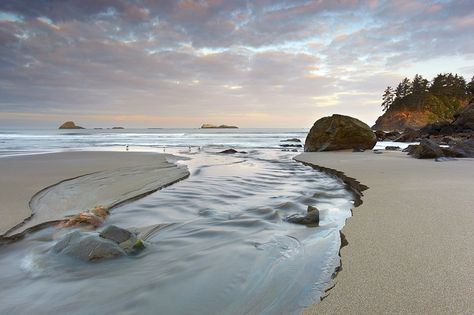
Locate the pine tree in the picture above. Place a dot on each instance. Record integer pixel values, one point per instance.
(387, 98)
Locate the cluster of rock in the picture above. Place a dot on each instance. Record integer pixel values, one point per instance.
(211, 126)
(291, 143)
(112, 242)
(429, 149)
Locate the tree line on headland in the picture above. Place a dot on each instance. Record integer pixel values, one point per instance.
(442, 96)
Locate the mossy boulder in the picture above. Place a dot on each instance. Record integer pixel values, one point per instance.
(339, 132)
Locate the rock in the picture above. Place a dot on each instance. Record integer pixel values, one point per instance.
(291, 140)
(444, 159)
(410, 149)
(380, 134)
(392, 135)
(339, 132)
(118, 128)
(87, 247)
(465, 119)
(116, 234)
(427, 149)
(127, 240)
(378, 152)
(311, 219)
(408, 135)
(207, 126)
(392, 148)
(70, 125)
(464, 149)
(229, 151)
(291, 145)
(358, 150)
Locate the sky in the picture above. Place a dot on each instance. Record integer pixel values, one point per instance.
(259, 63)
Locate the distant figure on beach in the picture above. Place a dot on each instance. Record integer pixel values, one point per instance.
(164, 149)
(189, 148)
(126, 147)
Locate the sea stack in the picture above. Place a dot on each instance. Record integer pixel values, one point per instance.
(70, 125)
(211, 126)
(339, 132)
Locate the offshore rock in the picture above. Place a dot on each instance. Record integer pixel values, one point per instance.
(339, 132)
(70, 125)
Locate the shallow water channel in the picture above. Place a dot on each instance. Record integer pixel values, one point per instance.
(227, 249)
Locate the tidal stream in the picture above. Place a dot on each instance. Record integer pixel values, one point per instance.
(227, 250)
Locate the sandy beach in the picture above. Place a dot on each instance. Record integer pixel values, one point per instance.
(69, 182)
(410, 242)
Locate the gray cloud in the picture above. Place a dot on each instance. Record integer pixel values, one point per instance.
(216, 57)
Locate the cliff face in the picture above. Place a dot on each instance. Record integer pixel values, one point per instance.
(404, 114)
(400, 120)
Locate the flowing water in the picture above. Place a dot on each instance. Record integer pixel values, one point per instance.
(227, 248)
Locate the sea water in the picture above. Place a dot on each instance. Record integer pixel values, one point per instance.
(227, 248)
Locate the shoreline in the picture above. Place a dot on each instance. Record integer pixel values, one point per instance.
(42, 188)
(409, 241)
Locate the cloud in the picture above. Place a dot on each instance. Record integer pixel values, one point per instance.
(216, 57)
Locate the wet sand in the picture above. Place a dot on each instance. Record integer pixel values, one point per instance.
(92, 178)
(411, 241)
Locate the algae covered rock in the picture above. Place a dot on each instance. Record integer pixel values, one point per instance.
(87, 247)
(112, 242)
(339, 132)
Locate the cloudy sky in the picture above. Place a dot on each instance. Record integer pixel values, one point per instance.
(261, 63)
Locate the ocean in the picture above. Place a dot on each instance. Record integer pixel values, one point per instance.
(228, 248)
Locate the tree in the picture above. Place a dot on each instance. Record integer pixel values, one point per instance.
(419, 85)
(470, 87)
(387, 98)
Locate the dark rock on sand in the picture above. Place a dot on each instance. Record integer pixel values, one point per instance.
(118, 128)
(339, 132)
(462, 149)
(311, 219)
(87, 247)
(409, 149)
(358, 150)
(427, 149)
(70, 125)
(392, 148)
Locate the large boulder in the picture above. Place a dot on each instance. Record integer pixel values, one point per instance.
(339, 132)
(70, 125)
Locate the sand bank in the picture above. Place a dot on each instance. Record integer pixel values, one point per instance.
(50, 186)
(410, 242)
